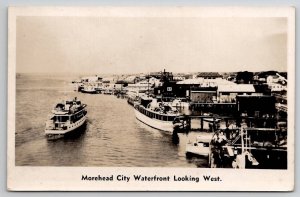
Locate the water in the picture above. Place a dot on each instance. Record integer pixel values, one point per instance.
(113, 137)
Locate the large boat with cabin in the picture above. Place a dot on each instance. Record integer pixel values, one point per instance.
(91, 85)
(156, 114)
(66, 118)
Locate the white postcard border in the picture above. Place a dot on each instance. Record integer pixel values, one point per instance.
(69, 178)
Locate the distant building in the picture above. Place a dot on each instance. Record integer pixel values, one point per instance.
(91, 79)
(163, 76)
(144, 85)
(277, 87)
(272, 79)
(277, 83)
(179, 78)
(201, 82)
(209, 75)
(132, 79)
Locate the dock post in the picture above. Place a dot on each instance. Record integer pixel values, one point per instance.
(188, 123)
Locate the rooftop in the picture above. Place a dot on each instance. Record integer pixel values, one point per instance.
(236, 88)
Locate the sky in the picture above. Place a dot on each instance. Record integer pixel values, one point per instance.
(123, 45)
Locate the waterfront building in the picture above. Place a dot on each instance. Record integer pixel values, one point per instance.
(256, 105)
(200, 89)
(228, 93)
(204, 94)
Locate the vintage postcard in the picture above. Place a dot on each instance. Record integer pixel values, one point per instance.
(151, 99)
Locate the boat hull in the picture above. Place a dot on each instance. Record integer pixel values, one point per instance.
(90, 91)
(157, 124)
(72, 129)
(197, 150)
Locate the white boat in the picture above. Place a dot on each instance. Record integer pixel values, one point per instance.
(156, 115)
(66, 117)
(201, 145)
(91, 84)
(91, 89)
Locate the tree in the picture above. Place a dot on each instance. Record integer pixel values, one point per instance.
(244, 77)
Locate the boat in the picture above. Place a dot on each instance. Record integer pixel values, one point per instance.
(201, 145)
(91, 84)
(155, 114)
(78, 85)
(66, 118)
(91, 89)
(131, 100)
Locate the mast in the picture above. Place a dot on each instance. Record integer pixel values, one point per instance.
(148, 85)
(242, 139)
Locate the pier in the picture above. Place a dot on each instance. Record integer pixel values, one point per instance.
(184, 122)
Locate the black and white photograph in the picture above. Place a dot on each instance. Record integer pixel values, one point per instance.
(200, 90)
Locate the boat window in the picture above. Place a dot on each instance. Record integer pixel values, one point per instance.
(158, 116)
(62, 118)
(165, 118)
(60, 106)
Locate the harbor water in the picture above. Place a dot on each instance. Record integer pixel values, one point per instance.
(113, 136)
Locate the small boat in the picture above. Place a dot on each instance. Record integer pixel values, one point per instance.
(91, 89)
(201, 145)
(156, 114)
(131, 100)
(66, 118)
